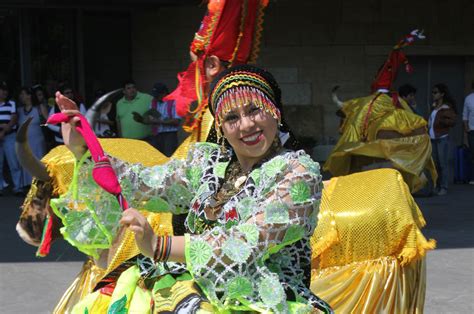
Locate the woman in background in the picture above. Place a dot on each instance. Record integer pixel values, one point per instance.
(27, 110)
(442, 119)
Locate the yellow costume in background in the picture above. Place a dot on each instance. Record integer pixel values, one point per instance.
(386, 133)
(368, 250)
(381, 130)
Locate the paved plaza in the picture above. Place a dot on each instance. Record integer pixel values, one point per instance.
(32, 285)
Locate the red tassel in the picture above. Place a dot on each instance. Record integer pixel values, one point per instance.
(46, 239)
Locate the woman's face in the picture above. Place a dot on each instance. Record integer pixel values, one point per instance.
(40, 95)
(249, 130)
(437, 95)
(25, 97)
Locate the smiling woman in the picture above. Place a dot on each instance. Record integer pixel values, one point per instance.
(251, 208)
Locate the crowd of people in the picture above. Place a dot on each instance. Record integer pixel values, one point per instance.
(138, 116)
(148, 117)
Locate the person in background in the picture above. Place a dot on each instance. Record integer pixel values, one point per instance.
(103, 124)
(56, 129)
(468, 121)
(8, 125)
(408, 93)
(442, 119)
(132, 101)
(26, 110)
(40, 99)
(163, 120)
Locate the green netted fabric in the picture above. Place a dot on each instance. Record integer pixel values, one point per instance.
(248, 256)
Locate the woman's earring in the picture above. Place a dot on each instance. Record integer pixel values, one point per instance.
(223, 147)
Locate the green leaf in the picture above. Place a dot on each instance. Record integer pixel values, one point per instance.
(274, 166)
(239, 287)
(300, 192)
(119, 306)
(236, 249)
(293, 234)
(157, 205)
(200, 252)
(220, 168)
(154, 176)
(251, 233)
(255, 175)
(178, 195)
(277, 213)
(271, 291)
(208, 287)
(245, 207)
(194, 175)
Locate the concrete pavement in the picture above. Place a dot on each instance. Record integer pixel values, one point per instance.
(32, 285)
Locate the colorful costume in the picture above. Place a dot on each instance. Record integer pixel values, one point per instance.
(247, 241)
(124, 272)
(381, 129)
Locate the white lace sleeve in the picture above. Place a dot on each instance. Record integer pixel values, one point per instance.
(244, 264)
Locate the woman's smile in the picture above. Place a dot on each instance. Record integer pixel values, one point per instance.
(253, 138)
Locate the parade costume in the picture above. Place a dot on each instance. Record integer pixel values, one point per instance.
(381, 129)
(103, 288)
(247, 240)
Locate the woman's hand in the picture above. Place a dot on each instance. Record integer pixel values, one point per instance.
(72, 139)
(144, 235)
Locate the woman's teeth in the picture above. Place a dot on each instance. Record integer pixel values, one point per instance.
(252, 138)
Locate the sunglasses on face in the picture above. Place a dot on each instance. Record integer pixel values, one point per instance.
(435, 92)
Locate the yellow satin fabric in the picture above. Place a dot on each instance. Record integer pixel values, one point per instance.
(374, 286)
(80, 287)
(411, 155)
(368, 250)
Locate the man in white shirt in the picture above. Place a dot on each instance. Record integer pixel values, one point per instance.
(468, 120)
(8, 124)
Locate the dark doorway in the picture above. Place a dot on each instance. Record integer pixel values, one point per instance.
(107, 50)
(430, 70)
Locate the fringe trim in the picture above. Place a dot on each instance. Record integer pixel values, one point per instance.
(409, 255)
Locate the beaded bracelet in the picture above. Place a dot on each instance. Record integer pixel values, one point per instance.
(163, 249)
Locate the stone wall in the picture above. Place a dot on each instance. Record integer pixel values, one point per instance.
(310, 46)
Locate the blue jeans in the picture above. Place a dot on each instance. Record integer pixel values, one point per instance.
(470, 139)
(440, 148)
(7, 151)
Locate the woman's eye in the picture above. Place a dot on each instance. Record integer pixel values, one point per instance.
(254, 110)
(231, 118)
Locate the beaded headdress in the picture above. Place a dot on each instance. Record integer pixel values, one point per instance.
(242, 85)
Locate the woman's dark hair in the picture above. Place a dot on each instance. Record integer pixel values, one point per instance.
(37, 88)
(406, 90)
(28, 91)
(447, 98)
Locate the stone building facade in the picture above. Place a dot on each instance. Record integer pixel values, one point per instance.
(311, 46)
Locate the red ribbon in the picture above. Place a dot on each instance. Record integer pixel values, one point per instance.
(103, 173)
